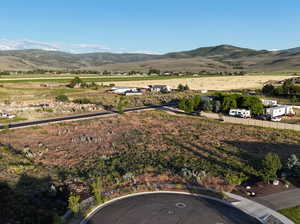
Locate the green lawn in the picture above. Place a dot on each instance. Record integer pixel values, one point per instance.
(292, 213)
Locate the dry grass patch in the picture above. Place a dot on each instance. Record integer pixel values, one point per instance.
(211, 83)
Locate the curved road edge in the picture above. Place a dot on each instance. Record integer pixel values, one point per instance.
(99, 207)
(258, 210)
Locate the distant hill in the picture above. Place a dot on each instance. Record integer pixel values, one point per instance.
(221, 51)
(292, 50)
(216, 58)
(31, 59)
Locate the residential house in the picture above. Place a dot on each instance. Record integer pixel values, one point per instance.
(160, 88)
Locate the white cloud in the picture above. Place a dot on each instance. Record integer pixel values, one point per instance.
(60, 46)
(31, 44)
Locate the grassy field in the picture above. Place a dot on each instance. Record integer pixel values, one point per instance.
(89, 79)
(292, 213)
(211, 83)
(20, 90)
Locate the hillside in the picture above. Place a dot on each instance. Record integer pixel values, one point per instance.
(221, 51)
(31, 59)
(213, 59)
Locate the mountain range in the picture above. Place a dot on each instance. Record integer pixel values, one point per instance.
(216, 58)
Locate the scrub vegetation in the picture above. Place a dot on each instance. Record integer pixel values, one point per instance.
(42, 166)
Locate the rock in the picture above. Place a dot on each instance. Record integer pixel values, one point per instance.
(276, 182)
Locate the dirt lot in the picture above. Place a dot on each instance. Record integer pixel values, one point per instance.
(69, 144)
(70, 155)
(211, 83)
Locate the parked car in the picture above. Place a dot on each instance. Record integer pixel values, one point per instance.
(261, 117)
(275, 119)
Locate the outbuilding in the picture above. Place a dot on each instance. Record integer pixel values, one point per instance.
(160, 88)
(269, 103)
(122, 89)
(280, 111)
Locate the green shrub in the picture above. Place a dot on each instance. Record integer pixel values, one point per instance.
(76, 81)
(74, 205)
(268, 90)
(82, 101)
(207, 105)
(97, 190)
(62, 98)
(121, 104)
(270, 166)
(229, 102)
(48, 110)
(233, 179)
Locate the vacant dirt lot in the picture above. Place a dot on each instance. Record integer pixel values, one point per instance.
(211, 83)
(69, 144)
(130, 146)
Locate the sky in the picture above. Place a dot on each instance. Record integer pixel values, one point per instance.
(148, 26)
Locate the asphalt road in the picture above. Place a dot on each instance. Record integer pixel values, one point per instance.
(281, 200)
(168, 208)
(74, 117)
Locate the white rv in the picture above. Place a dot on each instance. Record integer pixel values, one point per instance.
(280, 111)
(269, 103)
(122, 89)
(160, 88)
(243, 113)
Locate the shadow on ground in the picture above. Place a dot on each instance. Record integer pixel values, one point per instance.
(31, 200)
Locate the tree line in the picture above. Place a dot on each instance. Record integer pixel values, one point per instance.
(222, 102)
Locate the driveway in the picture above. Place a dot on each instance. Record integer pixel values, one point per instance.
(281, 200)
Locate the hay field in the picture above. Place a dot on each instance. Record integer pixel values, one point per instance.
(210, 83)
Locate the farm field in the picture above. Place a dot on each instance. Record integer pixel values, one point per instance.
(87, 78)
(211, 83)
(148, 146)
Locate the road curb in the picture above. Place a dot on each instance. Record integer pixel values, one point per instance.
(95, 210)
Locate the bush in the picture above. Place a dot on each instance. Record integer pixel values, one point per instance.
(252, 103)
(121, 104)
(270, 166)
(82, 101)
(62, 98)
(207, 105)
(197, 101)
(74, 205)
(217, 106)
(229, 102)
(180, 87)
(235, 179)
(187, 105)
(97, 190)
(74, 82)
(268, 90)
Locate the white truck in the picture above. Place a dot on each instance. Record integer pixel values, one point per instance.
(242, 113)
